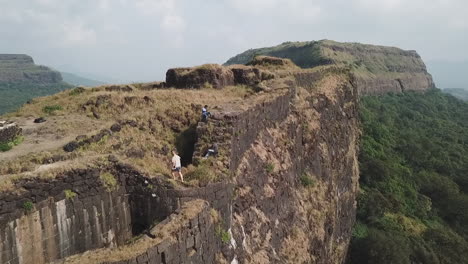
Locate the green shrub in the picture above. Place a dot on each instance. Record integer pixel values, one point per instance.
(109, 181)
(306, 180)
(28, 206)
(223, 234)
(381, 247)
(9, 145)
(50, 109)
(360, 230)
(69, 194)
(5, 147)
(270, 167)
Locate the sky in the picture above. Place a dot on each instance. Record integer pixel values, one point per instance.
(138, 40)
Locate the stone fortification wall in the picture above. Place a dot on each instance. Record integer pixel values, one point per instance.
(190, 235)
(258, 208)
(195, 240)
(9, 131)
(52, 219)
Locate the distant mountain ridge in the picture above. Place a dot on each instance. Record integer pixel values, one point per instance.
(22, 80)
(378, 69)
(77, 80)
(21, 68)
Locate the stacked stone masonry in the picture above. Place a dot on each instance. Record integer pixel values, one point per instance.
(53, 219)
(195, 242)
(9, 131)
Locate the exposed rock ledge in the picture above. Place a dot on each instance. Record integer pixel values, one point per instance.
(377, 69)
(21, 68)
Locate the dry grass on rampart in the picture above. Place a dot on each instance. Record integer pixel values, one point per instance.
(161, 115)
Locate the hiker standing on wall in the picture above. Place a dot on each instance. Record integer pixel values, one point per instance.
(205, 113)
(176, 166)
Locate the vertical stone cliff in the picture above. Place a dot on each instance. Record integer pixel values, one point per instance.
(295, 170)
(286, 172)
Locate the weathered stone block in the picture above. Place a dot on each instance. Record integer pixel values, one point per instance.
(9, 131)
(143, 258)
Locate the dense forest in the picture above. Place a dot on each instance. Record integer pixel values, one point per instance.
(413, 202)
(13, 95)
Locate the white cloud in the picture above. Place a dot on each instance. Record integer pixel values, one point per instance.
(254, 6)
(168, 15)
(155, 7)
(284, 10)
(104, 5)
(173, 23)
(47, 2)
(76, 33)
(381, 5)
(156, 30)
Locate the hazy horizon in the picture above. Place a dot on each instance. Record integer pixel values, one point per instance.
(139, 40)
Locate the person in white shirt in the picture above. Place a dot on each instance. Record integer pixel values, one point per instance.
(176, 166)
(205, 113)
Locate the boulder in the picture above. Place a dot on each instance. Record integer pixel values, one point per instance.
(212, 75)
(153, 86)
(39, 120)
(249, 75)
(216, 76)
(71, 146)
(101, 100)
(96, 114)
(116, 127)
(120, 88)
(135, 153)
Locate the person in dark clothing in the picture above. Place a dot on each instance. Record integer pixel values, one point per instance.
(212, 151)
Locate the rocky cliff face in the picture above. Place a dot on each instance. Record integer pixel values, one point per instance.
(296, 182)
(21, 68)
(377, 69)
(281, 189)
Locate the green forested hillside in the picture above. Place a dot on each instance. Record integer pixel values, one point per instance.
(303, 54)
(413, 205)
(22, 80)
(13, 95)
